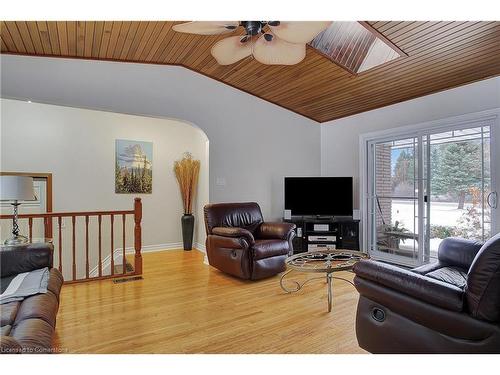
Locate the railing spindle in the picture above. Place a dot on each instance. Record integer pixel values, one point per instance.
(30, 224)
(100, 246)
(124, 261)
(48, 219)
(87, 266)
(138, 236)
(59, 223)
(112, 217)
(46, 227)
(73, 222)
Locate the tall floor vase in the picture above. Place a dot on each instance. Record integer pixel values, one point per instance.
(187, 222)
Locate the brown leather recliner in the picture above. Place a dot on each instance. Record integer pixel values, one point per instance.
(28, 326)
(241, 244)
(451, 306)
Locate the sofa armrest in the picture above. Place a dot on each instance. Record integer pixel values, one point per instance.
(458, 252)
(275, 230)
(426, 289)
(25, 258)
(234, 232)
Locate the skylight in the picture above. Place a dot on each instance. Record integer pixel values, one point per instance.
(355, 46)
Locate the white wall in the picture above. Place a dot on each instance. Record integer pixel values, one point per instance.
(340, 138)
(78, 147)
(253, 143)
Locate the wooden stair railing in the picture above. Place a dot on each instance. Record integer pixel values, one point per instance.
(47, 223)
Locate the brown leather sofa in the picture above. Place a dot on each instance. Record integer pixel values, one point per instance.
(28, 326)
(241, 244)
(451, 306)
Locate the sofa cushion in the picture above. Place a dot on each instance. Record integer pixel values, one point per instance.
(5, 330)
(40, 306)
(268, 267)
(269, 248)
(9, 345)
(8, 312)
(450, 275)
(34, 335)
(429, 267)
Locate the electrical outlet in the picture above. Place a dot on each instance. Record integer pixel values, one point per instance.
(220, 181)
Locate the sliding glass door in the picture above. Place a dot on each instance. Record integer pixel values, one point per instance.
(394, 200)
(426, 186)
(459, 184)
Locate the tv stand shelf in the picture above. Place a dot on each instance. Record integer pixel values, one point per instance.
(314, 233)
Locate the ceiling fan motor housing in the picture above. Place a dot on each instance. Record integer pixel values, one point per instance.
(253, 27)
(269, 42)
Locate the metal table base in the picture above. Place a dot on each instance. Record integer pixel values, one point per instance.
(298, 286)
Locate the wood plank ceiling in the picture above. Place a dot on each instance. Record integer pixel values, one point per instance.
(441, 55)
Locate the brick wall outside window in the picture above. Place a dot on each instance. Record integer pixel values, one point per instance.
(383, 183)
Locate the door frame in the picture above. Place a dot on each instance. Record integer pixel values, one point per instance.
(417, 129)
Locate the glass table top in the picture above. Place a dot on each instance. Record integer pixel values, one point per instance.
(330, 260)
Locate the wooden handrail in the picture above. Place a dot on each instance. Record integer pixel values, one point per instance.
(47, 222)
(70, 214)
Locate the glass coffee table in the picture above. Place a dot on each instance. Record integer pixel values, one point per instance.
(321, 261)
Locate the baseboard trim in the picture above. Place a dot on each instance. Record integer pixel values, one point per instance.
(200, 247)
(117, 254)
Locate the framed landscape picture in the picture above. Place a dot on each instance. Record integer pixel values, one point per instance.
(133, 167)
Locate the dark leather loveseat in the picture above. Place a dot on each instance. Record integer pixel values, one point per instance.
(451, 306)
(28, 326)
(241, 244)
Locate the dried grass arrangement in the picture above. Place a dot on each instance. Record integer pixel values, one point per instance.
(187, 170)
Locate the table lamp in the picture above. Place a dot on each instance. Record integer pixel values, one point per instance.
(15, 189)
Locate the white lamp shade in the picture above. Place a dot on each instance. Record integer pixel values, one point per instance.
(16, 188)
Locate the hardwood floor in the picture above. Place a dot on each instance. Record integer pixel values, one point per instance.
(184, 306)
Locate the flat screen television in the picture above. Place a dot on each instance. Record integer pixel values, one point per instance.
(318, 196)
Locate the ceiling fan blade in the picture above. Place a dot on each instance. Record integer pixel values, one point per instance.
(272, 50)
(206, 27)
(230, 50)
(298, 31)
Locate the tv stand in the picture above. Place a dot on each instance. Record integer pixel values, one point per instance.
(317, 232)
(319, 217)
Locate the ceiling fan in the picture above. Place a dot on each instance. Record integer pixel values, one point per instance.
(269, 42)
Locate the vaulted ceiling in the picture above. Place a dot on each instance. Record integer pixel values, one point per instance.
(440, 55)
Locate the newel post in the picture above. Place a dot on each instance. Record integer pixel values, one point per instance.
(138, 235)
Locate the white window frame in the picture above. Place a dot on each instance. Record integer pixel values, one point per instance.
(444, 124)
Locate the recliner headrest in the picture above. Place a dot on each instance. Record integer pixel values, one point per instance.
(241, 215)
